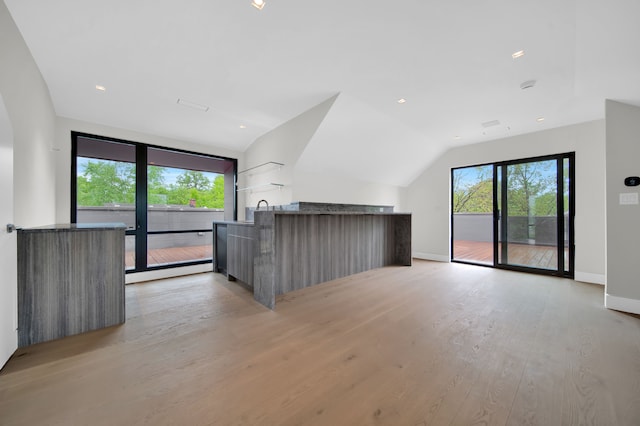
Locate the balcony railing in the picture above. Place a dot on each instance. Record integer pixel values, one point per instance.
(171, 245)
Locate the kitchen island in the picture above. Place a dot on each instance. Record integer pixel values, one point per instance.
(293, 249)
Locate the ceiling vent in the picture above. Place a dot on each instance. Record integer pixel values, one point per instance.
(490, 123)
(528, 84)
(193, 105)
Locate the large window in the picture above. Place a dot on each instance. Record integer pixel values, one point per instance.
(167, 198)
(515, 214)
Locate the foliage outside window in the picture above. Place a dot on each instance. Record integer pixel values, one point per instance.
(532, 189)
(473, 190)
(103, 182)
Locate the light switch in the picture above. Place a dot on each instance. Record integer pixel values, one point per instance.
(629, 198)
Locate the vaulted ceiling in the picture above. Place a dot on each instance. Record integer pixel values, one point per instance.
(255, 69)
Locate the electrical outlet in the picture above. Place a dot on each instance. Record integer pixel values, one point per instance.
(629, 198)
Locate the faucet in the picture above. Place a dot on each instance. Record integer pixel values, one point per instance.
(260, 202)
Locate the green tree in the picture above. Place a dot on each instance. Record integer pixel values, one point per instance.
(526, 183)
(473, 190)
(102, 182)
(217, 192)
(194, 185)
(158, 193)
(179, 195)
(193, 179)
(546, 204)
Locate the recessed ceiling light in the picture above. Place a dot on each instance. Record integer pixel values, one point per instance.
(402, 100)
(457, 137)
(540, 119)
(518, 54)
(242, 126)
(193, 105)
(100, 88)
(258, 4)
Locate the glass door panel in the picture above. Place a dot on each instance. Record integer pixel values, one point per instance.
(529, 214)
(567, 214)
(106, 187)
(472, 220)
(185, 195)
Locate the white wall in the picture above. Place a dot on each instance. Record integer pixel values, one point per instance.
(28, 120)
(8, 243)
(623, 221)
(285, 145)
(64, 127)
(428, 197)
(333, 188)
(33, 119)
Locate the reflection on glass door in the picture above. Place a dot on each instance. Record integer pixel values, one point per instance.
(529, 216)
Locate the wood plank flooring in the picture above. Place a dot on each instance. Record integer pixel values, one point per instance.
(431, 344)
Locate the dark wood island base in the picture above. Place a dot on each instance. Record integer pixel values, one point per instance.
(293, 250)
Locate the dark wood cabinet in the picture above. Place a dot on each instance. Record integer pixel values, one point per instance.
(234, 250)
(70, 280)
(240, 246)
(220, 247)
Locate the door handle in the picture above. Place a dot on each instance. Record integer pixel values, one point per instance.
(11, 227)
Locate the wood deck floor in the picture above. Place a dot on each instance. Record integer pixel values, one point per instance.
(166, 256)
(536, 256)
(432, 344)
(481, 252)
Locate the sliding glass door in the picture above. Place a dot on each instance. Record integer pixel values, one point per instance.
(531, 215)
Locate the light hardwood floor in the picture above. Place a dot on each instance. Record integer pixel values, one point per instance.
(431, 344)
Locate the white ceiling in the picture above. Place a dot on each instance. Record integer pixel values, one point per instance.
(451, 60)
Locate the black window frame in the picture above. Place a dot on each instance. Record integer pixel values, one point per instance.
(141, 229)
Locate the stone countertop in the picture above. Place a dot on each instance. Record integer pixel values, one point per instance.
(63, 227)
(233, 222)
(332, 213)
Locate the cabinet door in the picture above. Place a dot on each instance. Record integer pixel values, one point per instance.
(240, 253)
(220, 248)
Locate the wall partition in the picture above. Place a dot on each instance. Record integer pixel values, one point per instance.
(515, 214)
(167, 198)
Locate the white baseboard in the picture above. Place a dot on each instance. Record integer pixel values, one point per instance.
(167, 273)
(587, 277)
(622, 304)
(434, 257)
